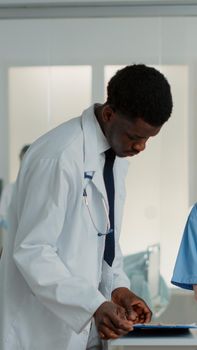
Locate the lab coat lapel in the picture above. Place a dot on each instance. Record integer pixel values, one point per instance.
(91, 154)
(120, 170)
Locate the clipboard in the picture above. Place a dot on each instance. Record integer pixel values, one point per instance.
(160, 329)
(164, 326)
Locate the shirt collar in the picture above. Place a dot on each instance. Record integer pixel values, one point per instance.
(102, 142)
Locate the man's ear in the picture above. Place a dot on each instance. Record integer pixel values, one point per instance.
(107, 113)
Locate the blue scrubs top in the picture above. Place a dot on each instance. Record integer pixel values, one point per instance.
(185, 270)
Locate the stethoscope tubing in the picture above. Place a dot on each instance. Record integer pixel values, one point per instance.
(108, 230)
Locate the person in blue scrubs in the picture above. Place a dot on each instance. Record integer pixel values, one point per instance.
(185, 270)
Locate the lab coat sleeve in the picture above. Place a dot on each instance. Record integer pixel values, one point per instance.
(41, 205)
(120, 278)
(185, 270)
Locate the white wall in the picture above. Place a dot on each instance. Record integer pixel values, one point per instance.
(40, 98)
(98, 42)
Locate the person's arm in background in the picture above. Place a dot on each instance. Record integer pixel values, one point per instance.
(4, 205)
(185, 270)
(3, 208)
(5, 201)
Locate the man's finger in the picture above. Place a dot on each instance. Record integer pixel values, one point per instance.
(107, 333)
(132, 315)
(121, 323)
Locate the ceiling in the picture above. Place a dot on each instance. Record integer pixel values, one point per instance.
(30, 3)
(14, 9)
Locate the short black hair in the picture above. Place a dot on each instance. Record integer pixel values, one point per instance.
(139, 91)
(23, 151)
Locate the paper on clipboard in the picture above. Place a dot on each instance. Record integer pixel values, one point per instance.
(164, 326)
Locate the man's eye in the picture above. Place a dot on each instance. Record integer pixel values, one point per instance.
(133, 138)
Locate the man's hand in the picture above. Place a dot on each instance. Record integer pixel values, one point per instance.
(111, 321)
(135, 308)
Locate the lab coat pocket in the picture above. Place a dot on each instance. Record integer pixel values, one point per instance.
(37, 328)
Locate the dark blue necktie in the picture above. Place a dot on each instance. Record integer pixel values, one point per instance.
(109, 252)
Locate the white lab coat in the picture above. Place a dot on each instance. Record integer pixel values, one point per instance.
(52, 272)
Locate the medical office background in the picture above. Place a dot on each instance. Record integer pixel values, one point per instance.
(53, 65)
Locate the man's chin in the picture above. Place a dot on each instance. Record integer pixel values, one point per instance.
(127, 154)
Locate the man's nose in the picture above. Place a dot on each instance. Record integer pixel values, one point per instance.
(139, 146)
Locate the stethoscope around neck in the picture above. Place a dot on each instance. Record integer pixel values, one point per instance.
(89, 176)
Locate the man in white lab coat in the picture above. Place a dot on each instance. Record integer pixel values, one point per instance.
(57, 291)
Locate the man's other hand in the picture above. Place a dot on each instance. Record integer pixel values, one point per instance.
(111, 321)
(136, 309)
